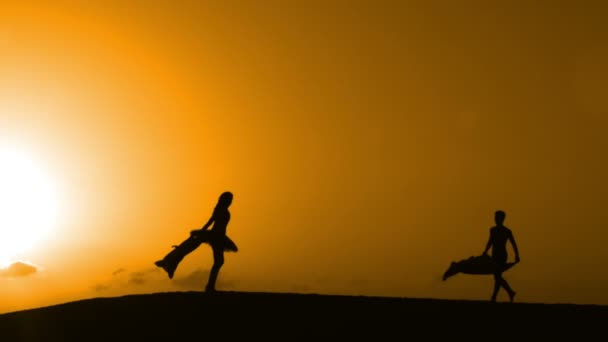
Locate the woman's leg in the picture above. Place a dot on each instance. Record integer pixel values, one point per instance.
(508, 288)
(218, 261)
(497, 284)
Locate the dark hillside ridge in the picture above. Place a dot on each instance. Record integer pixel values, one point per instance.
(236, 315)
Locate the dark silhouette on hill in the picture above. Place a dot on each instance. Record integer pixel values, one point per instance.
(499, 236)
(496, 264)
(216, 238)
(231, 316)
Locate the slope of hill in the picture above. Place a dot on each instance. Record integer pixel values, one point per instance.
(235, 315)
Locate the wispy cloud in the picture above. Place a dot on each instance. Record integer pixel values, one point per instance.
(141, 277)
(118, 271)
(101, 287)
(122, 279)
(198, 279)
(18, 269)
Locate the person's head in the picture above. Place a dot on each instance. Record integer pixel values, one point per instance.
(499, 217)
(225, 199)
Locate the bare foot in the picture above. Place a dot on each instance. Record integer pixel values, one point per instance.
(512, 296)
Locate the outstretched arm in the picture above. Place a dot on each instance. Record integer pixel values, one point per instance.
(211, 219)
(206, 226)
(512, 239)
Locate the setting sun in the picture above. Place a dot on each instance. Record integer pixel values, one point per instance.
(28, 204)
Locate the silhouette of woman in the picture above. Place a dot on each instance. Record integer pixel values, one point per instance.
(216, 237)
(499, 236)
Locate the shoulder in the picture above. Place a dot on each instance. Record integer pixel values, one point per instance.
(504, 231)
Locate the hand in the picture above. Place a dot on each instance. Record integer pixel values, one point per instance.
(517, 258)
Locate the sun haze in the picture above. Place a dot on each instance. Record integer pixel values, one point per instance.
(28, 204)
(367, 145)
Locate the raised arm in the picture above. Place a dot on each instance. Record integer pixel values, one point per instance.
(512, 239)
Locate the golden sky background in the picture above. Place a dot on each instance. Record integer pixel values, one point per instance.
(367, 143)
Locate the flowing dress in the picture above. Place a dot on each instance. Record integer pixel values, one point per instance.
(170, 262)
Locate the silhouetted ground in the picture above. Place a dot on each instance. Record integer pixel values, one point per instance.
(277, 316)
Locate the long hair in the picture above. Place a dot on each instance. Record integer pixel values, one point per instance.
(224, 200)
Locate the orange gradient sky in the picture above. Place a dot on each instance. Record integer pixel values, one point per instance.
(367, 143)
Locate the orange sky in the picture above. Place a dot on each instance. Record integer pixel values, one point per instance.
(367, 144)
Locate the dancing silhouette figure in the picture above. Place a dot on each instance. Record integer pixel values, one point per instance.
(216, 237)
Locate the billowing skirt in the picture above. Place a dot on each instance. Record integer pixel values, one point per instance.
(212, 238)
(482, 264)
(175, 256)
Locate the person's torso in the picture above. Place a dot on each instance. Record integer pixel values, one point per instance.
(500, 236)
(222, 218)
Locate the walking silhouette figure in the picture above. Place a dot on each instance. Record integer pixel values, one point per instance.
(216, 237)
(499, 236)
(486, 264)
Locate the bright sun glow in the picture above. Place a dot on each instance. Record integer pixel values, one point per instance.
(28, 204)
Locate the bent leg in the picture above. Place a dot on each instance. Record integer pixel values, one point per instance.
(508, 288)
(497, 284)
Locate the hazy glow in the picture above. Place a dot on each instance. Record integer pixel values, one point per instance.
(28, 204)
(367, 144)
